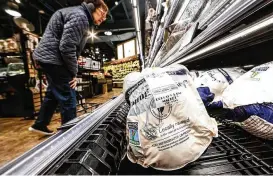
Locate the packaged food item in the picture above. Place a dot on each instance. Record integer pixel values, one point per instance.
(186, 18)
(130, 80)
(195, 74)
(167, 125)
(211, 84)
(249, 101)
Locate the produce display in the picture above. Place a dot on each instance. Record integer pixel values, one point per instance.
(15, 69)
(121, 70)
(9, 45)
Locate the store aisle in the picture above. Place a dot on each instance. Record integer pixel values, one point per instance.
(15, 139)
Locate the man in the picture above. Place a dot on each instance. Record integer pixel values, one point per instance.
(57, 53)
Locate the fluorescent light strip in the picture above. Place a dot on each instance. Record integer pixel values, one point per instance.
(13, 13)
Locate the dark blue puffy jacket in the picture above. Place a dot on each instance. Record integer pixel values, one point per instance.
(65, 37)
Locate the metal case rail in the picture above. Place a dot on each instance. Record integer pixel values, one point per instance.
(37, 161)
(100, 151)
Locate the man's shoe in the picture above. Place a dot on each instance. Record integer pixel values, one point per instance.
(41, 130)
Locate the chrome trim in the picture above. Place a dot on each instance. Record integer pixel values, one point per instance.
(39, 159)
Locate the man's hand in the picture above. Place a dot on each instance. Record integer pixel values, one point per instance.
(73, 83)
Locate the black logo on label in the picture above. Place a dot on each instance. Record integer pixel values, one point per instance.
(160, 113)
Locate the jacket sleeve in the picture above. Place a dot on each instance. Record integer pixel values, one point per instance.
(73, 32)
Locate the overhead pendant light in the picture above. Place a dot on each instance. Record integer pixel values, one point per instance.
(18, 1)
(13, 13)
(108, 33)
(97, 51)
(12, 9)
(92, 34)
(41, 11)
(116, 2)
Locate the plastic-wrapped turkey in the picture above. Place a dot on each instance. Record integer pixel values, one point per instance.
(249, 101)
(167, 125)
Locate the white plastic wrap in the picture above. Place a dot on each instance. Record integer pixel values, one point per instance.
(250, 101)
(167, 125)
(255, 86)
(217, 80)
(130, 80)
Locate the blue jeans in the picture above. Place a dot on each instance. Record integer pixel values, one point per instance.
(58, 91)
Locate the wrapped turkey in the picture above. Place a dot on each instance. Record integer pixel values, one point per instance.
(130, 80)
(167, 125)
(212, 83)
(250, 101)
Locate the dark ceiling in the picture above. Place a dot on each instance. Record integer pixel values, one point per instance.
(120, 21)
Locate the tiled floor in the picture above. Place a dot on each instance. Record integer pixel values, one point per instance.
(15, 139)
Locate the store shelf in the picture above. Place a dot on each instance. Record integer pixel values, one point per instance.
(215, 22)
(225, 155)
(96, 144)
(172, 11)
(224, 19)
(247, 35)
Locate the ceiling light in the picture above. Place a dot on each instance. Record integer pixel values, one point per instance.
(18, 1)
(116, 2)
(13, 13)
(92, 34)
(41, 12)
(108, 33)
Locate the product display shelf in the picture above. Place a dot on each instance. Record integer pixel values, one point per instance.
(235, 16)
(173, 8)
(213, 9)
(216, 19)
(155, 26)
(28, 92)
(96, 145)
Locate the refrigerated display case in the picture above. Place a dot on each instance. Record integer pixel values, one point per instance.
(230, 33)
(96, 145)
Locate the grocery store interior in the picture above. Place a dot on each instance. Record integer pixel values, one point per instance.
(136, 87)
